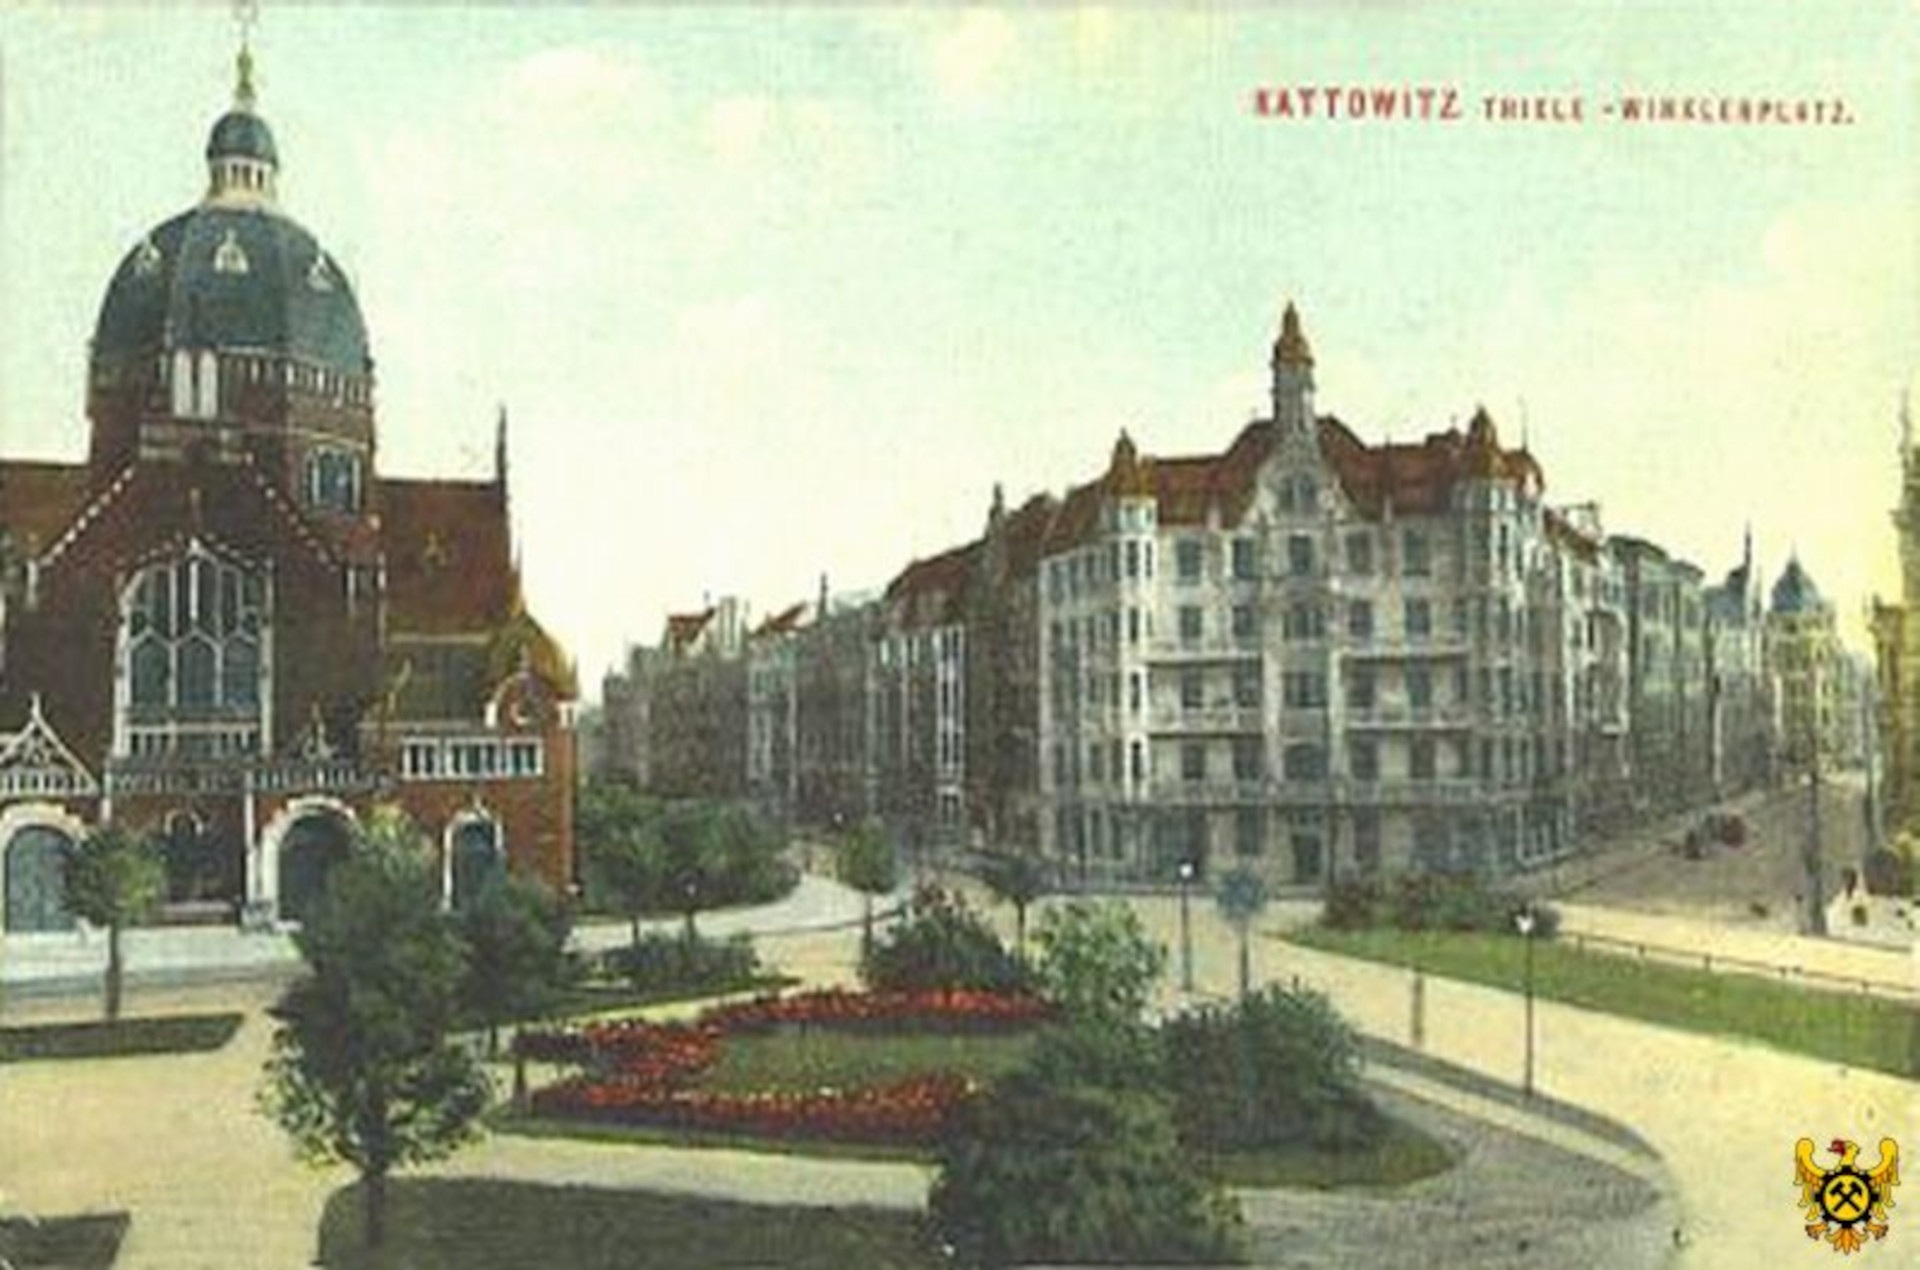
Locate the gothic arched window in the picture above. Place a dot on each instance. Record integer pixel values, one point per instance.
(190, 647)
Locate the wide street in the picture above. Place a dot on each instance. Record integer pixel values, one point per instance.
(176, 1140)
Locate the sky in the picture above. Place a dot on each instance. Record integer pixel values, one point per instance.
(771, 293)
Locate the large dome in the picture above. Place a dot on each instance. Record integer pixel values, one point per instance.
(235, 273)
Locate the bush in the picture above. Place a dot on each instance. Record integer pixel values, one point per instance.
(1278, 1068)
(1108, 1054)
(1096, 961)
(1886, 872)
(941, 943)
(1432, 901)
(1044, 1170)
(672, 963)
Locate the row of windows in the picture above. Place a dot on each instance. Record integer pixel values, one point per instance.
(426, 759)
(1097, 566)
(1510, 758)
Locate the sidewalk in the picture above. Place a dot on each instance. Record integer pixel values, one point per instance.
(1793, 954)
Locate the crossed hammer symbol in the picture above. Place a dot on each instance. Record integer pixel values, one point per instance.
(1846, 1197)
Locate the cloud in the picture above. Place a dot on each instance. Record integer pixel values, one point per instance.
(970, 57)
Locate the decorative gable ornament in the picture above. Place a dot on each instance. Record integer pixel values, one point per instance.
(36, 762)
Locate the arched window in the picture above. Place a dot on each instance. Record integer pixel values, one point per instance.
(333, 480)
(190, 648)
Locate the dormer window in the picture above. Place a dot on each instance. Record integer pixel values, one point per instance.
(333, 480)
(229, 256)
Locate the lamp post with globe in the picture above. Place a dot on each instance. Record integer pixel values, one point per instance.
(1186, 926)
(1525, 921)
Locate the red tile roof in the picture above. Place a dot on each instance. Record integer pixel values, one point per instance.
(684, 628)
(449, 555)
(39, 500)
(933, 592)
(785, 622)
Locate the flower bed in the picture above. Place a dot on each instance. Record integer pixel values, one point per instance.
(644, 1073)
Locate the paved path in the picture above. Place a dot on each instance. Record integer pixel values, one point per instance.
(1778, 949)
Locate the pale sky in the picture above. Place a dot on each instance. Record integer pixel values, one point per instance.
(770, 293)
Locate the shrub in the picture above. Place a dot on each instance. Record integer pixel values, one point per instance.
(1040, 1169)
(1354, 904)
(1279, 1067)
(1886, 872)
(941, 944)
(673, 963)
(1433, 901)
(1110, 1054)
(1096, 961)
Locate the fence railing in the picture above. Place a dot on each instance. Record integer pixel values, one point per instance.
(1718, 963)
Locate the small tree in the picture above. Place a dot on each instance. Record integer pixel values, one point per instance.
(114, 880)
(1017, 878)
(868, 864)
(1096, 960)
(691, 859)
(1243, 897)
(363, 1070)
(624, 860)
(942, 943)
(516, 936)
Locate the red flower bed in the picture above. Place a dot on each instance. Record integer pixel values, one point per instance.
(641, 1073)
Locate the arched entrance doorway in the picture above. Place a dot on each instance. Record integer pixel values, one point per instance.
(475, 858)
(34, 860)
(315, 842)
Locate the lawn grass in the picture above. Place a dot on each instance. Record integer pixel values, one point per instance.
(794, 1059)
(167, 1034)
(587, 1001)
(1403, 1154)
(89, 1242)
(1859, 1031)
(478, 1224)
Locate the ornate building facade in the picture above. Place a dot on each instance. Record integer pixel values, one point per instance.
(226, 629)
(1306, 652)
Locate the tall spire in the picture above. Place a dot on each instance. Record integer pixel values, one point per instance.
(245, 14)
(1292, 367)
(500, 448)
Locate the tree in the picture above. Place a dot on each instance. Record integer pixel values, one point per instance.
(1243, 897)
(692, 862)
(1040, 1169)
(114, 880)
(942, 943)
(624, 864)
(1096, 960)
(363, 1069)
(516, 936)
(868, 863)
(1017, 878)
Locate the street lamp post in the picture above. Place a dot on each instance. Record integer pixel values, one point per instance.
(1524, 921)
(1186, 926)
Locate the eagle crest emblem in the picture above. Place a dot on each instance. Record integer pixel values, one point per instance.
(1847, 1202)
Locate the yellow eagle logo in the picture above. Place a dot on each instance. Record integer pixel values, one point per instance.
(1846, 1202)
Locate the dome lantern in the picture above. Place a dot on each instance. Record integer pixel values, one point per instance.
(242, 163)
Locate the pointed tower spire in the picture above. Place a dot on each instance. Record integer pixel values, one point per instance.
(1292, 367)
(500, 448)
(245, 14)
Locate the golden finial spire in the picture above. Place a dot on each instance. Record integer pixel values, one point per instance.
(245, 14)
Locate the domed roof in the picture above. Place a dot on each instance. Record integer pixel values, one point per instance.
(232, 277)
(242, 134)
(1795, 592)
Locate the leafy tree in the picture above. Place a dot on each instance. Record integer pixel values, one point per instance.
(1041, 1169)
(1096, 960)
(1278, 1067)
(941, 944)
(692, 859)
(1243, 897)
(363, 1070)
(516, 936)
(624, 862)
(868, 863)
(114, 880)
(1017, 878)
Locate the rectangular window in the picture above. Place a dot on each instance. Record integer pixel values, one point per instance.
(1414, 557)
(1245, 560)
(1366, 842)
(1246, 624)
(1246, 687)
(1305, 762)
(1360, 688)
(1137, 752)
(1096, 763)
(1193, 762)
(1192, 689)
(523, 758)
(1360, 619)
(1191, 624)
(1248, 760)
(1300, 555)
(1419, 619)
(1303, 688)
(1363, 758)
(1134, 692)
(1133, 626)
(1133, 558)
(1360, 552)
(1189, 560)
(1420, 759)
(1304, 621)
(1420, 687)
